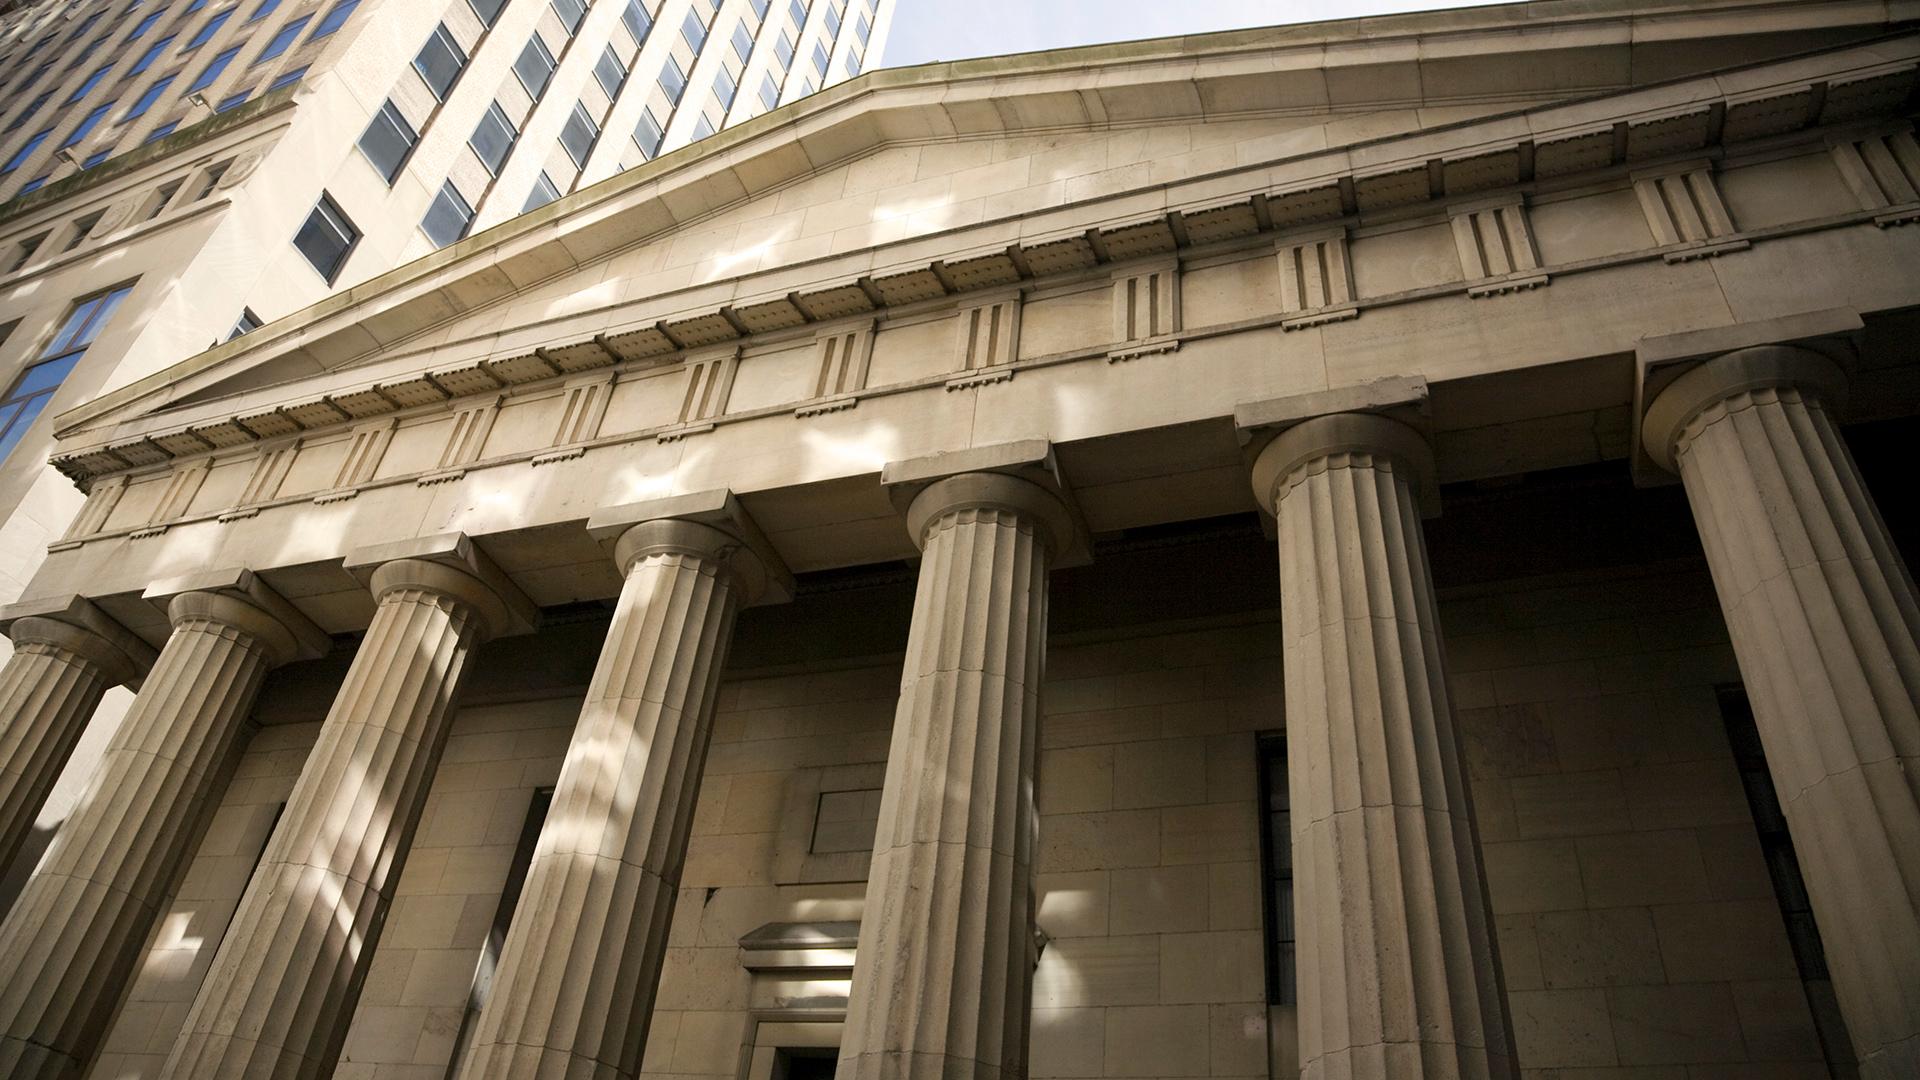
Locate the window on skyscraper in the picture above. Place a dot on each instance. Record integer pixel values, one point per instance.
(493, 139)
(609, 72)
(579, 135)
(327, 238)
(570, 12)
(283, 40)
(448, 218)
(534, 67)
(334, 19)
(388, 140)
(212, 70)
(440, 61)
(693, 30)
(637, 21)
(207, 30)
(29, 395)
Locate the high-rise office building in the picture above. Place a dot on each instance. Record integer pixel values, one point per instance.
(176, 172)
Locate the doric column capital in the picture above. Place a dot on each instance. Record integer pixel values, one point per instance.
(1341, 433)
(236, 597)
(1018, 477)
(74, 624)
(449, 565)
(1762, 367)
(1049, 514)
(705, 524)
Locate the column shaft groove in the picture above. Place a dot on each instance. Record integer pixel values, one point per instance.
(284, 983)
(1826, 625)
(943, 981)
(71, 942)
(1395, 949)
(581, 964)
(47, 696)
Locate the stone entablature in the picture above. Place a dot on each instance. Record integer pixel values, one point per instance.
(671, 379)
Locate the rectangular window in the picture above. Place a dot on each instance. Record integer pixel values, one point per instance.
(265, 9)
(247, 324)
(440, 61)
(233, 101)
(488, 10)
(161, 198)
(86, 87)
(20, 156)
(769, 93)
(145, 25)
(210, 179)
(206, 31)
(327, 238)
(783, 49)
(742, 42)
(387, 141)
(543, 192)
(286, 78)
(609, 73)
(853, 65)
(1276, 858)
(637, 21)
(702, 128)
(725, 87)
(213, 70)
(20, 119)
(82, 228)
(579, 135)
(820, 59)
(693, 31)
(570, 12)
(153, 53)
(1790, 891)
(449, 216)
(161, 132)
(862, 29)
(334, 19)
(534, 67)
(673, 80)
(96, 158)
(145, 101)
(493, 140)
(24, 251)
(798, 11)
(806, 87)
(36, 386)
(833, 20)
(760, 7)
(283, 40)
(647, 134)
(86, 126)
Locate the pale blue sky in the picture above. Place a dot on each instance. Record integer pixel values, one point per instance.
(926, 30)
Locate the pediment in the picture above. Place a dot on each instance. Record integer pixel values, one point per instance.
(911, 185)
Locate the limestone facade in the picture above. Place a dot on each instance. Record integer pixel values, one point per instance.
(1358, 550)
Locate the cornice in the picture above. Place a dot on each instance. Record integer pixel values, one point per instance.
(1453, 168)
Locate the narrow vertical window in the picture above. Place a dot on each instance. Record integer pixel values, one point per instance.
(1783, 866)
(570, 12)
(742, 42)
(334, 19)
(1276, 860)
(502, 921)
(534, 67)
(610, 72)
(673, 80)
(637, 21)
(493, 140)
(579, 135)
(648, 133)
(769, 93)
(693, 31)
(543, 192)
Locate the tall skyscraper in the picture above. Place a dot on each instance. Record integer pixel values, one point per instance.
(176, 172)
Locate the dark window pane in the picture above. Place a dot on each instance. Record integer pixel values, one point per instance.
(693, 30)
(447, 219)
(212, 70)
(326, 238)
(387, 141)
(283, 40)
(724, 87)
(570, 12)
(493, 139)
(609, 72)
(769, 92)
(543, 193)
(637, 21)
(673, 80)
(488, 10)
(579, 135)
(742, 42)
(440, 61)
(647, 134)
(534, 67)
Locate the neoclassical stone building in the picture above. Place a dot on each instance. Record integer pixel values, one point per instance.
(1353, 550)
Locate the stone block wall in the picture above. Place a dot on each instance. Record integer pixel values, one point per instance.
(1638, 927)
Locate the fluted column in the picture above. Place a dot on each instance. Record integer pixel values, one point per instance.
(283, 986)
(943, 982)
(1824, 619)
(574, 992)
(72, 939)
(1395, 952)
(61, 666)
